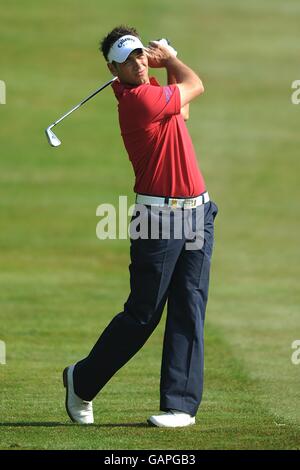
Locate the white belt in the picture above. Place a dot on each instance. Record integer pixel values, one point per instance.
(185, 203)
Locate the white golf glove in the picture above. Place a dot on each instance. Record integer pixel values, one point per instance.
(165, 42)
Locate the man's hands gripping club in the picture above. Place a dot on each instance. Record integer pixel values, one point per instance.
(158, 52)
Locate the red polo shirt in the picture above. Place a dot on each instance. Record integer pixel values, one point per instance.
(157, 140)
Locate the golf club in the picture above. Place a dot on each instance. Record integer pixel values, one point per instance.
(52, 138)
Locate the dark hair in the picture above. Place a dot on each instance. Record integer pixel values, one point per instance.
(113, 36)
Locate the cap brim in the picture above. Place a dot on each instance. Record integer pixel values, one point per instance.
(123, 47)
(127, 54)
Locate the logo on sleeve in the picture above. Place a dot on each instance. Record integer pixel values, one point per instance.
(168, 93)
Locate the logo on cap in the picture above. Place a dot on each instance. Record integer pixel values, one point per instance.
(122, 41)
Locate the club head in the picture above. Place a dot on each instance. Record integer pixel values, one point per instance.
(52, 139)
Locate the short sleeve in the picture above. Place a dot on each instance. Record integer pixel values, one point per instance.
(152, 104)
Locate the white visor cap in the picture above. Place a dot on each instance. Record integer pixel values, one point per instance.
(121, 49)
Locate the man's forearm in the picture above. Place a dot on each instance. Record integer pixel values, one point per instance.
(181, 73)
(185, 110)
(190, 85)
(188, 82)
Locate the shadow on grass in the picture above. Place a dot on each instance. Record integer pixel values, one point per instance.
(55, 424)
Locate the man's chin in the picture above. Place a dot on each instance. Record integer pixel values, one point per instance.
(145, 80)
(142, 79)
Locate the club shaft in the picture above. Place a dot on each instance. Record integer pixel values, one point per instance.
(83, 101)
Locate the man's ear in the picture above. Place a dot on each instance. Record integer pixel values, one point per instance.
(112, 69)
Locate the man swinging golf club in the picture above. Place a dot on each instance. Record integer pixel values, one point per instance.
(161, 270)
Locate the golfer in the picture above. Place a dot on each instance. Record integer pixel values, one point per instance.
(162, 269)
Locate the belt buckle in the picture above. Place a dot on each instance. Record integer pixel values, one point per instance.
(182, 203)
(190, 203)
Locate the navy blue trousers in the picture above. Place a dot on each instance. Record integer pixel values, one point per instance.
(161, 270)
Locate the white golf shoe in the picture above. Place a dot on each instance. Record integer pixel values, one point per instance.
(80, 411)
(172, 419)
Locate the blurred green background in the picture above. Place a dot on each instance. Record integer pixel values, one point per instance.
(60, 285)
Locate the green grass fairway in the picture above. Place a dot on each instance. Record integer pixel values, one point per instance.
(60, 285)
